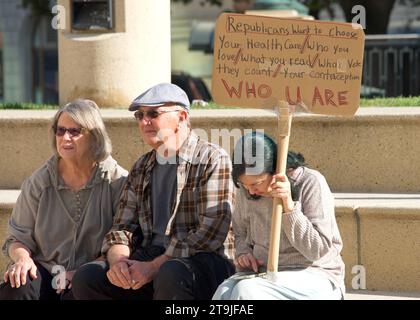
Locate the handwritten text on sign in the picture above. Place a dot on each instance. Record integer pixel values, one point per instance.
(260, 60)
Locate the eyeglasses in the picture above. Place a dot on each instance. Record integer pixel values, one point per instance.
(254, 185)
(73, 132)
(151, 114)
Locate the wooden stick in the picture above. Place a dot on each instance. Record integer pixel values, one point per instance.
(284, 124)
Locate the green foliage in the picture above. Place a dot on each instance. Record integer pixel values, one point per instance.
(376, 102)
(28, 106)
(213, 105)
(391, 102)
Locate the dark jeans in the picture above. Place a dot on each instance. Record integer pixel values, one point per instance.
(34, 289)
(194, 278)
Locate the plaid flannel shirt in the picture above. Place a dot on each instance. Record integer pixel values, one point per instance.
(201, 213)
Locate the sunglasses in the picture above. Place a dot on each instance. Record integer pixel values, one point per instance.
(73, 132)
(151, 114)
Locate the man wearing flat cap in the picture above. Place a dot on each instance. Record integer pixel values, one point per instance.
(170, 236)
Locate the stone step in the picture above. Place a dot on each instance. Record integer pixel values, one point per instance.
(7, 201)
(8, 198)
(380, 295)
(381, 235)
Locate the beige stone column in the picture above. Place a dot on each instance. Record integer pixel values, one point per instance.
(112, 67)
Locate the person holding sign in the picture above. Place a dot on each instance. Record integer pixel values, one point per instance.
(169, 239)
(310, 265)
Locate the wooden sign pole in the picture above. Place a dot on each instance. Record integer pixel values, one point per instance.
(284, 124)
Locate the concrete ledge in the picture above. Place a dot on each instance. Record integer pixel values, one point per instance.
(7, 201)
(390, 239)
(372, 148)
(8, 198)
(381, 232)
(348, 226)
(381, 295)
(386, 228)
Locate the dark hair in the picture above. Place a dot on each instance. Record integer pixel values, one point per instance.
(295, 160)
(256, 153)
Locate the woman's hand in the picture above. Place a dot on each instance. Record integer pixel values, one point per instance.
(248, 261)
(17, 272)
(280, 188)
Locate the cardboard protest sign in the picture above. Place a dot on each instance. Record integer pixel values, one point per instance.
(261, 60)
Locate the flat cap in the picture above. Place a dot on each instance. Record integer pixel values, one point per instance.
(160, 95)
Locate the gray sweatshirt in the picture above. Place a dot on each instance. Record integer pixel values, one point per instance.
(59, 226)
(309, 238)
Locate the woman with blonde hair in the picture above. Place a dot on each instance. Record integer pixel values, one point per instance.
(65, 207)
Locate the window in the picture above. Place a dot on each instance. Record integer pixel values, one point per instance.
(93, 15)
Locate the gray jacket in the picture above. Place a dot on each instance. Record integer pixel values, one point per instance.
(62, 227)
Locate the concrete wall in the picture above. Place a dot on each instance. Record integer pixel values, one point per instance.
(375, 151)
(390, 238)
(347, 224)
(381, 234)
(4, 216)
(113, 68)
